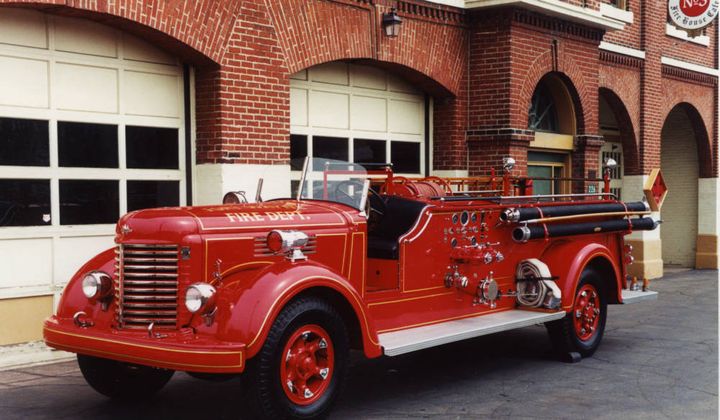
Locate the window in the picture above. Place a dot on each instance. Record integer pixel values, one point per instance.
(621, 4)
(90, 173)
(88, 202)
(330, 148)
(24, 202)
(369, 151)
(151, 147)
(405, 157)
(83, 145)
(545, 169)
(149, 194)
(24, 142)
(542, 115)
(298, 151)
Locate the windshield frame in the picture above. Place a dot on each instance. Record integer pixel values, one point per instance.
(352, 170)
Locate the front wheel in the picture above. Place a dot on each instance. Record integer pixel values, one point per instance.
(122, 380)
(301, 368)
(582, 329)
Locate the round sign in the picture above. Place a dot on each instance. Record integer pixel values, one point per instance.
(693, 14)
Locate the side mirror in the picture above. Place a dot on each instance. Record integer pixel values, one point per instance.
(508, 164)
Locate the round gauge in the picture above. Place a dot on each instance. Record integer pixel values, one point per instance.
(453, 242)
(473, 241)
(473, 217)
(455, 218)
(464, 218)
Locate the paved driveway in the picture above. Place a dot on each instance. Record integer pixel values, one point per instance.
(657, 360)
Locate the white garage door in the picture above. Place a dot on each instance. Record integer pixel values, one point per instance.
(91, 122)
(356, 113)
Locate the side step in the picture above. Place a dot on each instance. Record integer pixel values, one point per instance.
(635, 296)
(413, 339)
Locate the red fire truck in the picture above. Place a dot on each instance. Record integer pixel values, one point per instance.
(281, 290)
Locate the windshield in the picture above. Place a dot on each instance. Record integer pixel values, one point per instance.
(334, 180)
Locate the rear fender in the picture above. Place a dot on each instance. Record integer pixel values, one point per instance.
(556, 257)
(258, 305)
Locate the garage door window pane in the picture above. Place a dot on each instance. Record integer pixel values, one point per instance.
(24, 142)
(335, 148)
(24, 202)
(151, 147)
(87, 202)
(298, 151)
(150, 194)
(405, 157)
(369, 151)
(83, 145)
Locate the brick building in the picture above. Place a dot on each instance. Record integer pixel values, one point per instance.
(107, 106)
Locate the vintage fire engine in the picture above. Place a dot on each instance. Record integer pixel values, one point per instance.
(281, 290)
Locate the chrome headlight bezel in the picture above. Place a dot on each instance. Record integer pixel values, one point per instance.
(96, 285)
(200, 297)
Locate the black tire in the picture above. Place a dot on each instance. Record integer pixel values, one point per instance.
(120, 380)
(565, 336)
(267, 396)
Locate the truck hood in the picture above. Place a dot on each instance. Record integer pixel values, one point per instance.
(172, 223)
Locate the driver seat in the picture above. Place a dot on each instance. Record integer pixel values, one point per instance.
(399, 217)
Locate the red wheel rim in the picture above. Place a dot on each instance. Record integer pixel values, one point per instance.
(307, 365)
(586, 312)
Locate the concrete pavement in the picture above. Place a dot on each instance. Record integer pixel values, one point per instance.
(657, 360)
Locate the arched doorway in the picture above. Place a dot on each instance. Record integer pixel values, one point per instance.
(358, 113)
(92, 126)
(679, 164)
(552, 116)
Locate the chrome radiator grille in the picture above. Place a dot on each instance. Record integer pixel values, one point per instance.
(146, 285)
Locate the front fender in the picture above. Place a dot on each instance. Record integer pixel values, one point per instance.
(262, 299)
(73, 300)
(568, 272)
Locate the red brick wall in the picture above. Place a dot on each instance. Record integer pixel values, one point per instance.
(481, 68)
(630, 36)
(692, 52)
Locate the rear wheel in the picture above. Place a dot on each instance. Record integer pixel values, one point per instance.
(302, 366)
(582, 329)
(122, 380)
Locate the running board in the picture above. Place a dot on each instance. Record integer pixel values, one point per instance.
(413, 339)
(635, 296)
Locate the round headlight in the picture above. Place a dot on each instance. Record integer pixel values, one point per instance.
(96, 285)
(200, 297)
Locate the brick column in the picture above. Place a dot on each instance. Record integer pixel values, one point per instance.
(487, 148)
(586, 162)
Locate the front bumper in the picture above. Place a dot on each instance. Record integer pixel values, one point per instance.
(175, 351)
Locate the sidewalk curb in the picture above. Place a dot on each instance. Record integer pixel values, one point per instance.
(35, 353)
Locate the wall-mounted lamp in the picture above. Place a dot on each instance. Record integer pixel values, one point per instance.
(391, 22)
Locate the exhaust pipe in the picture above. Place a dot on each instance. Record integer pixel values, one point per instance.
(523, 234)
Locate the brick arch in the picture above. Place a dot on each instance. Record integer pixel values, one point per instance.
(325, 31)
(574, 81)
(702, 139)
(631, 160)
(173, 25)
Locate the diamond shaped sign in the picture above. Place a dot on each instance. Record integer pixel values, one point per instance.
(655, 190)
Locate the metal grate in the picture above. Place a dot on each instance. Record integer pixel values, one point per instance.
(146, 285)
(262, 250)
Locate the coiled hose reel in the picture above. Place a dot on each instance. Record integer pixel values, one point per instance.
(535, 287)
